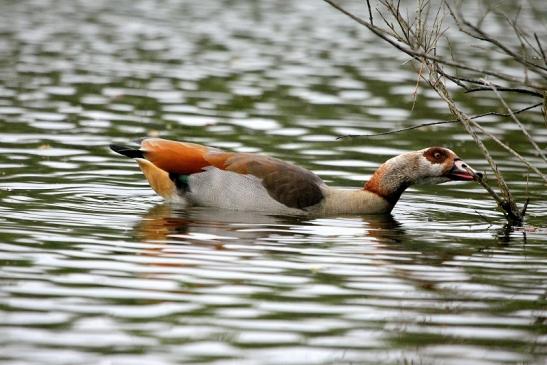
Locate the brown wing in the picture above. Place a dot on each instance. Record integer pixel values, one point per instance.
(294, 188)
(288, 184)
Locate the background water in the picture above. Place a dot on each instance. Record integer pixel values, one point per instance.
(95, 269)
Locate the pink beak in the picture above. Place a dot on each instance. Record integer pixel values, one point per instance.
(462, 172)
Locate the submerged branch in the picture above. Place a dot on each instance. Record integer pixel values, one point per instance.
(516, 217)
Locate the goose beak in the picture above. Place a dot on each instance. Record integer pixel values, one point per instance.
(461, 171)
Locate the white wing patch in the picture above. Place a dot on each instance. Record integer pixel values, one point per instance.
(229, 190)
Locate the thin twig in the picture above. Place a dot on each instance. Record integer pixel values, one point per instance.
(369, 12)
(419, 56)
(510, 150)
(471, 81)
(523, 211)
(521, 38)
(396, 130)
(510, 89)
(482, 35)
(485, 219)
(501, 202)
(466, 123)
(525, 206)
(541, 49)
(436, 123)
(516, 120)
(415, 92)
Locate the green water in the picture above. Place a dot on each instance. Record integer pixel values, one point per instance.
(96, 269)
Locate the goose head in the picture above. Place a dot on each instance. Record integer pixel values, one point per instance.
(437, 165)
(433, 165)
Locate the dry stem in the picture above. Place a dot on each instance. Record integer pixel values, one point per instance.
(419, 36)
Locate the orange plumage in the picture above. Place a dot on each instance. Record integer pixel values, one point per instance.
(175, 157)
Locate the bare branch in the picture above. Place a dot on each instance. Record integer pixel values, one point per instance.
(523, 211)
(511, 89)
(482, 35)
(484, 219)
(541, 49)
(393, 131)
(466, 123)
(369, 12)
(417, 55)
(492, 193)
(510, 150)
(418, 36)
(516, 120)
(397, 130)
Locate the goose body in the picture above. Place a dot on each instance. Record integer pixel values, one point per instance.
(193, 174)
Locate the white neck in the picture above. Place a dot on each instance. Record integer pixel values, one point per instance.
(353, 201)
(380, 193)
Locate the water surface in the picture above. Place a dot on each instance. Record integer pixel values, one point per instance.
(96, 269)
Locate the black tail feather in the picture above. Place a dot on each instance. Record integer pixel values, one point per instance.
(128, 151)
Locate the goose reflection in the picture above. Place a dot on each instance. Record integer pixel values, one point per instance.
(377, 241)
(165, 224)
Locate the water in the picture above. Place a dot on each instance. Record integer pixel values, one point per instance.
(96, 269)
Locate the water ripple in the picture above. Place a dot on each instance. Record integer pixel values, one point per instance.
(96, 268)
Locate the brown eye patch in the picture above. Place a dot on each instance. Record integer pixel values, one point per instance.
(436, 154)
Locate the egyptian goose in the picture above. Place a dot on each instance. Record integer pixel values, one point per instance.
(194, 174)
